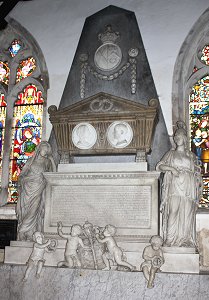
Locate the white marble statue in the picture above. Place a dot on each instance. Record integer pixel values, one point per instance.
(36, 258)
(153, 259)
(113, 253)
(181, 191)
(30, 206)
(72, 259)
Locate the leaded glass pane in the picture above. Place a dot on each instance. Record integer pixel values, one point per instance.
(2, 127)
(26, 133)
(4, 72)
(199, 127)
(15, 47)
(205, 55)
(25, 68)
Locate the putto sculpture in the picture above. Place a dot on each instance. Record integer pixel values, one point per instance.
(91, 246)
(113, 253)
(153, 259)
(36, 258)
(72, 259)
(181, 191)
(30, 206)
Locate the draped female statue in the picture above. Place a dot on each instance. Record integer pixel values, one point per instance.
(30, 206)
(181, 191)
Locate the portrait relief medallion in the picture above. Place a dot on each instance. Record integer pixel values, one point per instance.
(108, 56)
(119, 134)
(84, 136)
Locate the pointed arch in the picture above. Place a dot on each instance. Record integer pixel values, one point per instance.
(190, 94)
(28, 83)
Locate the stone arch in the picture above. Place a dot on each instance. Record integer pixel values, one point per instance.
(39, 77)
(184, 77)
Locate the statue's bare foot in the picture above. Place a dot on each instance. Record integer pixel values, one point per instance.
(150, 285)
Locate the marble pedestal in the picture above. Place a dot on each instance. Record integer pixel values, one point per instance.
(180, 260)
(18, 253)
(175, 261)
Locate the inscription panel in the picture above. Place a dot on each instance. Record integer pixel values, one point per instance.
(123, 206)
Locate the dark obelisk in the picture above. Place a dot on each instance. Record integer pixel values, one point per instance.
(111, 58)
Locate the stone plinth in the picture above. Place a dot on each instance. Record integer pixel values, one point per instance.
(7, 212)
(18, 253)
(180, 260)
(176, 262)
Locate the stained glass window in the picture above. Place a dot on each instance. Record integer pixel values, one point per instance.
(27, 132)
(2, 124)
(199, 126)
(25, 68)
(15, 47)
(205, 55)
(4, 72)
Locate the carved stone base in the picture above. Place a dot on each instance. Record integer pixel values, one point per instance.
(180, 260)
(19, 252)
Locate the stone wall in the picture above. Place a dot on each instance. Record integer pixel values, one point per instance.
(68, 284)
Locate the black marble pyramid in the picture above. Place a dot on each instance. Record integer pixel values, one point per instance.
(111, 58)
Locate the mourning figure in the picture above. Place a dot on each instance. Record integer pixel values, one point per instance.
(181, 191)
(30, 206)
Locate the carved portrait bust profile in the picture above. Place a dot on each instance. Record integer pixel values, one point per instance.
(84, 136)
(119, 134)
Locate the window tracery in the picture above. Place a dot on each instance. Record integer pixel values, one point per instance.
(23, 86)
(191, 95)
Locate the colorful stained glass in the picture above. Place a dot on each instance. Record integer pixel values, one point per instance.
(205, 55)
(15, 47)
(4, 72)
(2, 124)
(31, 95)
(25, 68)
(27, 132)
(199, 130)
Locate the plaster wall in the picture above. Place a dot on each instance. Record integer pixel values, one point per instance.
(57, 24)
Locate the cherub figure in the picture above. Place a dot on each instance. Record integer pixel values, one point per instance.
(73, 241)
(114, 253)
(153, 259)
(37, 256)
